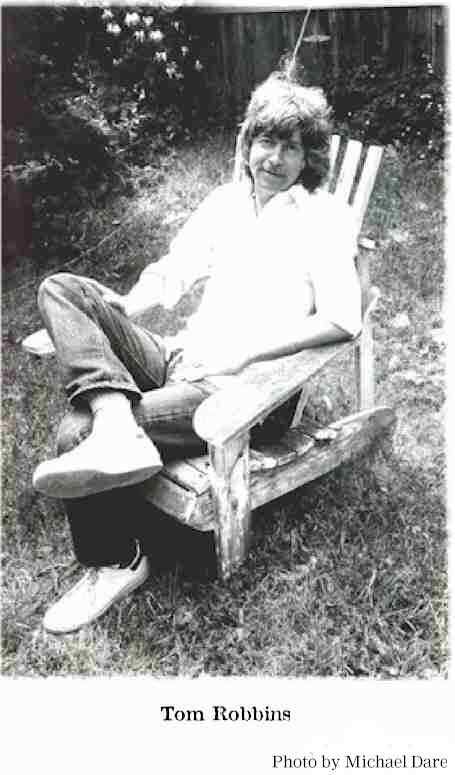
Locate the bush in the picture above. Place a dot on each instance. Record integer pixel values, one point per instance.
(84, 86)
(385, 105)
(46, 140)
(156, 77)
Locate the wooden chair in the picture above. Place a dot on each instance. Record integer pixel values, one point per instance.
(218, 491)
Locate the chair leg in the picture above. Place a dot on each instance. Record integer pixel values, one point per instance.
(300, 408)
(364, 369)
(229, 478)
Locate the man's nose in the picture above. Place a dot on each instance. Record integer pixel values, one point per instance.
(276, 153)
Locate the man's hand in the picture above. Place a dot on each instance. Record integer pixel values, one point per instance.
(110, 297)
(216, 366)
(116, 300)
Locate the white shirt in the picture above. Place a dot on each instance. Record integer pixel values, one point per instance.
(266, 272)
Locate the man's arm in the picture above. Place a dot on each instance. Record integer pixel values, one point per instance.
(315, 331)
(189, 259)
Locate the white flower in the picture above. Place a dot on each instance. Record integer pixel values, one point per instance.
(107, 14)
(198, 65)
(184, 50)
(170, 70)
(131, 19)
(114, 29)
(401, 321)
(156, 35)
(160, 56)
(140, 35)
(148, 21)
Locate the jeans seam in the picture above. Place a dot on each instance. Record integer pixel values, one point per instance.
(130, 353)
(146, 372)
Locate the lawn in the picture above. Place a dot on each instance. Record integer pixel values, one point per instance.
(346, 577)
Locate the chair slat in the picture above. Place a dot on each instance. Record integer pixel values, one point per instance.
(366, 182)
(334, 148)
(238, 167)
(348, 169)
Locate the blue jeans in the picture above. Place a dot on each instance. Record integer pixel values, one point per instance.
(98, 347)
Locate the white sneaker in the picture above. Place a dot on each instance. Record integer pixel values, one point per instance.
(93, 594)
(99, 464)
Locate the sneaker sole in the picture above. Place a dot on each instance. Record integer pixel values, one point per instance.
(77, 484)
(134, 584)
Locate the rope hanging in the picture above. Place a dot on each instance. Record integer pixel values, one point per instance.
(292, 62)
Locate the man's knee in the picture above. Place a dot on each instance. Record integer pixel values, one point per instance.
(55, 283)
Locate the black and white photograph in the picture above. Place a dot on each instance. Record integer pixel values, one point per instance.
(224, 335)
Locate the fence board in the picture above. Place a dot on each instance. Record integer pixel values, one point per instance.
(248, 46)
(386, 23)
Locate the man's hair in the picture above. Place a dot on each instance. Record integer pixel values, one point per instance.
(279, 106)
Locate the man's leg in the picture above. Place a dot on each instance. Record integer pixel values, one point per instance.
(106, 528)
(107, 361)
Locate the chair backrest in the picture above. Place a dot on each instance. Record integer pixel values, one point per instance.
(355, 173)
(352, 173)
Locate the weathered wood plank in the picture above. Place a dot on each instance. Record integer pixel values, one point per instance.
(258, 390)
(334, 148)
(229, 477)
(385, 43)
(366, 182)
(333, 15)
(333, 153)
(364, 369)
(345, 438)
(355, 434)
(202, 464)
(294, 443)
(190, 476)
(174, 499)
(363, 270)
(238, 162)
(300, 408)
(348, 170)
(356, 35)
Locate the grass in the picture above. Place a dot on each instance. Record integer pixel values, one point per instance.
(346, 577)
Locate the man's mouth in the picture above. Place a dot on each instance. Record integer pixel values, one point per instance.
(273, 173)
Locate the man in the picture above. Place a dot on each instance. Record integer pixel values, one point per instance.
(278, 254)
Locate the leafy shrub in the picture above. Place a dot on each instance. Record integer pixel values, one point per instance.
(382, 104)
(46, 139)
(84, 89)
(156, 76)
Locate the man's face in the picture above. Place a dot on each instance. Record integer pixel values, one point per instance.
(275, 163)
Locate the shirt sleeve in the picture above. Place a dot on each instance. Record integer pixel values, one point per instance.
(191, 252)
(335, 279)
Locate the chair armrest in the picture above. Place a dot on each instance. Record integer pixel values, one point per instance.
(39, 344)
(258, 390)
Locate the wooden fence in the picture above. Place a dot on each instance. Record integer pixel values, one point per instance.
(246, 47)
